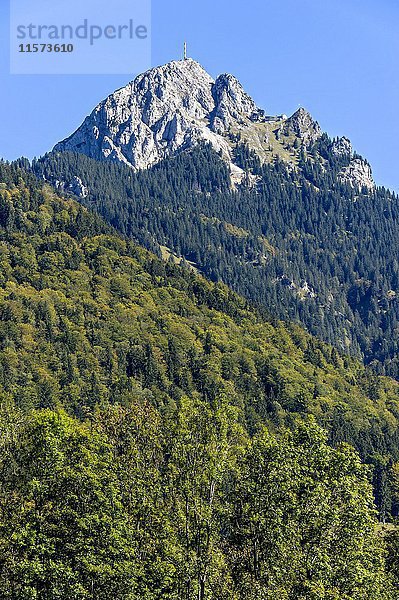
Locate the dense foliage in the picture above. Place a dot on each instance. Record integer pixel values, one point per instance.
(158, 436)
(298, 241)
(138, 506)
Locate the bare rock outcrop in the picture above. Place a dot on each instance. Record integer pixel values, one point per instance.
(357, 174)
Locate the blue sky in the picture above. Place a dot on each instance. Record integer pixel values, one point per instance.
(338, 58)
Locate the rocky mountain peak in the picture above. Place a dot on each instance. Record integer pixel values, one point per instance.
(176, 106)
(302, 124)
(183, 83)
(165, 110)
(233, 106)
(161, 111)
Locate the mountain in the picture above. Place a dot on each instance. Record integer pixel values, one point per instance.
(302, 243)
(165, 110)
(175, 107)
(158, 434)
(271, 206)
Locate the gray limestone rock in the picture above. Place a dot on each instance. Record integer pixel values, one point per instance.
(341, 147)
(302, 124)
(163, 111)
(357, 174)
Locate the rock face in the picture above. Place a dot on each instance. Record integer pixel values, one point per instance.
(78, 188)
(167, 109)
(233, 106)
(75, 187)
(358, 174)
(304, 126)
(341, 147)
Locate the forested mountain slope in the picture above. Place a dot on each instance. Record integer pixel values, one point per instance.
(157, 438)
(296, 239)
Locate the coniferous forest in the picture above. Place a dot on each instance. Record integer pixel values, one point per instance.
(297, 241)
(161, 437)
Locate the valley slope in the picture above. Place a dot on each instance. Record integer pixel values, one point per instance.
(194, 170)
(155, 428)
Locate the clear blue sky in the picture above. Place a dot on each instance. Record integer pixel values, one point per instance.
(338, 58)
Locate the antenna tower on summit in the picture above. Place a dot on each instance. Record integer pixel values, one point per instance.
(185, 51)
